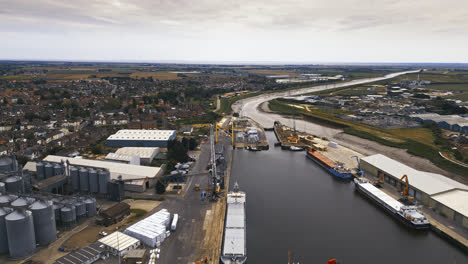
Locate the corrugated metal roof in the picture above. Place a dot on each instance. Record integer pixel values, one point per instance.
(119, 241)
(127, 171)
(427, 182)
(142, 152)
(142, 134)
(456, 200)
(121, 157)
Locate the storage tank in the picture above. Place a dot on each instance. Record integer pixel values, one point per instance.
(44, 222)
(20, 203)
(6, 164)
(58, 169)
(90, 207)
(40, 171)
(84, 180)
(68, 215)
(57, 207)
(2, 187)
(75, 178)
(104, 179)
(3, 237)
(14, 184)
(49, 170)
(93, 181)
(4, 200)
(20, 232)
(80, 208)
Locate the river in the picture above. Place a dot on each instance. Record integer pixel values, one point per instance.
(293, 204)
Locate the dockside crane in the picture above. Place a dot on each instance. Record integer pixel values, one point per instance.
(214, 174)
(360, 172)
(405, 191)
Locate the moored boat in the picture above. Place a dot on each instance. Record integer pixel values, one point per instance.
(334, 168)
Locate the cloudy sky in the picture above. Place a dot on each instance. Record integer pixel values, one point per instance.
(235, 30)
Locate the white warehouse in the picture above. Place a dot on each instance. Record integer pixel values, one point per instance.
(141, 138)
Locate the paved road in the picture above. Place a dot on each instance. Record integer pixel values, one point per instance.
(192, 240)
(250, 106)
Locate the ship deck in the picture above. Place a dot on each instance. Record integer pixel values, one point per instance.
(383, 197)
(234, 233)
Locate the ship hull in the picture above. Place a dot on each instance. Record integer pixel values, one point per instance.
(390, 210)
(344, 176)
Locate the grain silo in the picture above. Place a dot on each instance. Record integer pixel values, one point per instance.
(14, 184)
(68, 215)
(2, 187)
(5, 200)
(20, 203)
(104, 179)
(57, 207)
(90, 206)
(20, 232)
(49, 170)
(6, 164)
(44, 222)
(80, 208)
(75, 178)
(40, 171)
(3, 237)
(93, 181)
(84, 180)
(58, 169)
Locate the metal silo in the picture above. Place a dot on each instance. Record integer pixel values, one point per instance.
(58, 169)
(49, 170)
(14, 184)
(44, 222)
(90, 206)
(6, 164)
(20, 232)
(40, 171)
(57, 208)
(2, 187)
(68, 215)
(75, 178)
(3, 237)
(80, 208)
(93, 181)
(20, 203)
(5, 200)
(84, 180)
(104, 179)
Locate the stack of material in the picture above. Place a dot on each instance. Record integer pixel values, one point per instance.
(151, 231)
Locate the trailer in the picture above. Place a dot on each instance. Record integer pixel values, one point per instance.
(174, 222)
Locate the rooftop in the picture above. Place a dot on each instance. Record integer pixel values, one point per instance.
(427, 182)
(142, 134)
(142, 152)
(455, 200)
(119, 241)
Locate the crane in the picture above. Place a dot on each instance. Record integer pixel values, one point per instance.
(360, 172)
(405, 191)
(380, 180)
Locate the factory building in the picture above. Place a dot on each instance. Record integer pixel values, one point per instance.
(442, 194)
(122, 158)
(449, 122)
(146, 154)
(136, 178)
(141, 138)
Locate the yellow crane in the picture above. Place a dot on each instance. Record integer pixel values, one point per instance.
(405, 191)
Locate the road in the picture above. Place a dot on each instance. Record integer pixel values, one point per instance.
(250, 106)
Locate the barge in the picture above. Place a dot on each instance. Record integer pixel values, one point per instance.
(234, 242)
(334, 168)
(407, 214)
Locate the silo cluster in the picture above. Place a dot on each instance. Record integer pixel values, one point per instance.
(89, 180)
(46, 170)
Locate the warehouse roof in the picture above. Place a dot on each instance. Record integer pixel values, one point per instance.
(119, 241)
(127, 171)
(82, 256)
(427, 182)
(142, 152)
(455, 200)
(121, 157)
(142, 134)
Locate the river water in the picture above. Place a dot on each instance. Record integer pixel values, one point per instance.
(294, 204)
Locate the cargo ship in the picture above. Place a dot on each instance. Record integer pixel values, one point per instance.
(407, 214)
(334, 168)
(234, 242)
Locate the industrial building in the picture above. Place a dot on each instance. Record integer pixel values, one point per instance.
(136, 178)
(113, 215)
(141, 138)
(122, 158)
(118, 243)
(146, 154)
(449, 122)
(87, 255)
(436, 191)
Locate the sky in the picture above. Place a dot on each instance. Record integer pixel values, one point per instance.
(301, 31)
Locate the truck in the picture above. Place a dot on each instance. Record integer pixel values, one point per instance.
(174, 222)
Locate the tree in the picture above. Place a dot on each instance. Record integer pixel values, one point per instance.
(177, 151)
(160, 187)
